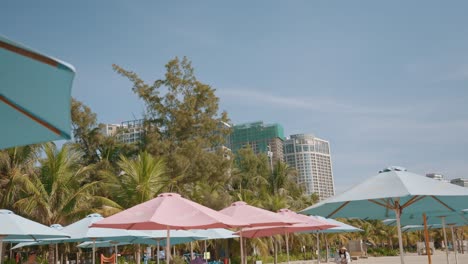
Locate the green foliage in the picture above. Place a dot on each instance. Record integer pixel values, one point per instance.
(382, 251)
(138, 180)
(57, 192)
(181, 151)
(182, 123)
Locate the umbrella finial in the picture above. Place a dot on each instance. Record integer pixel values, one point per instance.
(239, 203)
(169, 195)
(393, 168)
(94, 215)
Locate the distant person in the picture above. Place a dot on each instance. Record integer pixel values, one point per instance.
(32, 257)
(342, 257)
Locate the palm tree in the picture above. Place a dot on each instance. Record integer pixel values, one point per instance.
(58, 192)
(139, 180)
(16, 164)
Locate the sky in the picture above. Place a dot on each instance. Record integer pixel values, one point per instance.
(384, 81)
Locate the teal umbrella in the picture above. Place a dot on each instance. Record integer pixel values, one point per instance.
(340, 228)
(81, 231)
(35, 96)
(392, 193)
(150, 237)
(15, 228)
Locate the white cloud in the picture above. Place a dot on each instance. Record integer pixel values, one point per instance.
(319, 104)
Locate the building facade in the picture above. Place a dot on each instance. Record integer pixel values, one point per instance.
(263, 138)
(460, 182)
(311, 157)
(437, 177)
(127, 132)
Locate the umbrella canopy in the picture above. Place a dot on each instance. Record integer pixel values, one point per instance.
(393, 192)
(378, 196)
(303, 223)
(214, 233)
(15, 228)
(255, 216)
(457, 219)
(35, 96)
(411, 228)
(169, 211)
(153, 238)
(340, 226)
(82, 231)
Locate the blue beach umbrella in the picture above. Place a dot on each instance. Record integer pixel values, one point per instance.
(35, 96)
(81, 231)
(213, 233)
(15, 228)
(150, 237)
(393, 193)
(341, 228)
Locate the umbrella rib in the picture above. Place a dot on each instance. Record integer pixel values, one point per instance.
(29, 54)
(32, 116)
(413, 200)
(442, 203)
(386, 205)
(338, 209)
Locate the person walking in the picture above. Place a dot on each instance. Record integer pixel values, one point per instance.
(342, 257)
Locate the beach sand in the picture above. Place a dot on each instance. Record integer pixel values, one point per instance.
(438, 258)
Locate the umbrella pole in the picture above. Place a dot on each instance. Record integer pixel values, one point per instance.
(287, 246)
(445, 239)
(1, 249)
(400, 239)
(455, 249)
(318, 248)
(275, 249)
(116, 252)
(191, 250)
(205, 256)
(56, 254)
(241, 247)
(426, 238)
(326, 247)
(168, 246)
(157, 253)
(94, 250)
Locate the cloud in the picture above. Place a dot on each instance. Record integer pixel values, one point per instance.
(318, 104)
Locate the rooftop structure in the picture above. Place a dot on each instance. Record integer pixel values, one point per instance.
(263, 138)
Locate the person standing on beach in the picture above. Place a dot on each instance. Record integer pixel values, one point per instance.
(32, 258)
(343, 257)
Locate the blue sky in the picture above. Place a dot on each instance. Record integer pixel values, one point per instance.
(384, 81)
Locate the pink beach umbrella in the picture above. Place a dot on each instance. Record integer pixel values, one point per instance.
(256, 217)
(306, 224)
(169, 211)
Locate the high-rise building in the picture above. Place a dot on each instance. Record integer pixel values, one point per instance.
(127, 132)
(460, 181)
(311, 158)
(263, 138)
(437, 176)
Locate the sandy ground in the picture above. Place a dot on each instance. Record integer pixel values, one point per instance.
(438, 258)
